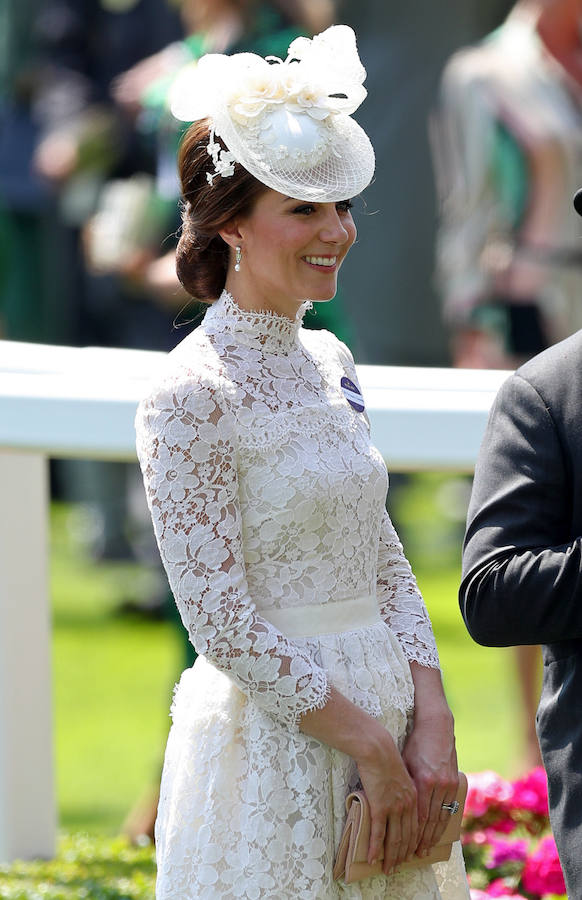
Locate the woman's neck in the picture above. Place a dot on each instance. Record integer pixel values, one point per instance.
(254, 298)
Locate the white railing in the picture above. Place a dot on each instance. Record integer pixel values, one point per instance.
(68, 402)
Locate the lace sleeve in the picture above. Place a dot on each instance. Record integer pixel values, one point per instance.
(187, 453)
(401, 604)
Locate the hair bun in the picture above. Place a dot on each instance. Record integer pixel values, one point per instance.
(202, 256)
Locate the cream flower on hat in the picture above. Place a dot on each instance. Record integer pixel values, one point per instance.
(263, 85)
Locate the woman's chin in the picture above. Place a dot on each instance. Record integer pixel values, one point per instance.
(324, 294)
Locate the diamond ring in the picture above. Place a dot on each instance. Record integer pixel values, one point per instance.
(452, 808)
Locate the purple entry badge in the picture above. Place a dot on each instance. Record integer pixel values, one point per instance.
(352, 394)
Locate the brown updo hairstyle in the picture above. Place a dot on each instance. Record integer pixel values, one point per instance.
(202, 255)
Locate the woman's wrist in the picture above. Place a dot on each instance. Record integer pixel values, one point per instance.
(372, 746)
(436, 708)
(430, 703)
(346, 727)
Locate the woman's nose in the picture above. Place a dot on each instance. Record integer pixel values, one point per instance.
(333, 229)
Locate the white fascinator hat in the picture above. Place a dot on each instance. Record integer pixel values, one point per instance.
(287, 122)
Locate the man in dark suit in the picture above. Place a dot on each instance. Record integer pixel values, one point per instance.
(522, 562)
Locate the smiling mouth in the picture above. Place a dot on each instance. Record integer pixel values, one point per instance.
(327, 262)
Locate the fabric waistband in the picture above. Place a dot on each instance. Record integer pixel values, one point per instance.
(325, 618)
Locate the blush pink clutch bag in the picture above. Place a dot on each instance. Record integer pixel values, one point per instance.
(352, 856)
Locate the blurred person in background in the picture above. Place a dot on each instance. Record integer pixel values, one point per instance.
(81, 140)
(508, 149)
(508, 141)
(88, 140)
(60, 138)
(36, 278)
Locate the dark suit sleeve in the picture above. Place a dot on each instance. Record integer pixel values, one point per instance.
(522, 572)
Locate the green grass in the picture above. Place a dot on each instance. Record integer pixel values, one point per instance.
(480, 682)
(113, 677)
(113, 674)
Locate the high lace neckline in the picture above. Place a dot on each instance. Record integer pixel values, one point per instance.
(265, 329)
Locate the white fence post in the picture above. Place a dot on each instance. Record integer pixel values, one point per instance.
(27, 795)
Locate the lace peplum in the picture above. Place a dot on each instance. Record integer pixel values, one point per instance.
(266, 494)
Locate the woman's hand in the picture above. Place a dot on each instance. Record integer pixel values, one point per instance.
(430, 756)
(392, 797)
(386, 781)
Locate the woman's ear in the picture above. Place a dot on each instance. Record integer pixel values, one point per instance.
(230, 234)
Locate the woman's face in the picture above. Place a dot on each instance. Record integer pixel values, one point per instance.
(291, 251)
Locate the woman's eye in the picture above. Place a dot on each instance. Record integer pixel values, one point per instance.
(307, 209)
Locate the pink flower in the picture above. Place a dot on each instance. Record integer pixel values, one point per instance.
(507, 851)
(500, 888)
(542, 873)
(478, 837)
(531, 793)
(503, 826)
(486, 789)
(492, 832)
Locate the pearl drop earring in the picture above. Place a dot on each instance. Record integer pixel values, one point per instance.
(237, 259)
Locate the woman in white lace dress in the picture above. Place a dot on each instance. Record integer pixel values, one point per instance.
(317, 665)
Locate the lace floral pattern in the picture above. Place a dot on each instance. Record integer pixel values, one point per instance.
(265, 494)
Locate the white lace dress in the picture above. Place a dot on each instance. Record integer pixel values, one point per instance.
(268, 504)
